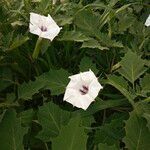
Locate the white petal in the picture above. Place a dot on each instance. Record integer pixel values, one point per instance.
(88, 76)
(69, 92)
(147, 23)
(34, 29)
(75, 77)
(51, 33)
(80, 101)
(36, 19)
(86, 101)
(94, 88)
(84, 77)
(50, 20)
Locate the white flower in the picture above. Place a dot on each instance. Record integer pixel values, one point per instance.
(147, 23)
(44, 27)
(82, 89)
(54, 2)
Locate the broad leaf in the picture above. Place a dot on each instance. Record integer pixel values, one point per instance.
(90, 25)
(20, 40)
(100, 105)
(132, 66)
(86, 64)
(5, 78)
(137, 134)
(102, 146)
(120, 84)
(87, 21)
(145, 84)
(55, 80)
(142, 109)
(147, 117)
(125, 22)
(74, 36)
(92, 43)
(11, 132)
(27, 117)
(107, 41)
(112, 132)
(71, 137)
(51, 117)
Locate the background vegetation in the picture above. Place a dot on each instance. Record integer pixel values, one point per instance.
(107, 36)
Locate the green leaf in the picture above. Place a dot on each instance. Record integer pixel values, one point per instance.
(87, 21)
(145, 84)
(100, 105)
(11, 132)
(120, 84)
(27, 117)
(142, 109)
(71, 137)
(55, 80)
(5, 78)
(125, 22)
(147, 117)
(90, 25)
(18, 41)
(107, 41)
(102, 146)
(137, 134)
(74, 36)
(86, 64)
(122, 8)
(112, 132)
(91, 43)
(132, 66)
(51, 117)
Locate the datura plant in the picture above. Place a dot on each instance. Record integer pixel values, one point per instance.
(74, 75)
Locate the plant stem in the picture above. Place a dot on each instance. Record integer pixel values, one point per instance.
(37, 48)
(46, 147)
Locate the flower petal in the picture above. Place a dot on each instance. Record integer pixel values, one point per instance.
(86, 100)
(80, 101)
(36, 19)
(51, 33)
(88, 76)
(70, 92)
(94, 88)
(34, 29)
(147, 23)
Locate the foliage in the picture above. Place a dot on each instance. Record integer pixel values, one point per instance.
(110, 38)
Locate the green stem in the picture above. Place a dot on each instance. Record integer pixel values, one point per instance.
(37, 48)
(7, 105)
(46, 147)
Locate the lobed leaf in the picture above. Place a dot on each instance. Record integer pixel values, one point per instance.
(51, 117)
(11, 132)
(137, 134)
(55, 80)
(132, 66)
(102, 146)
(71, 137)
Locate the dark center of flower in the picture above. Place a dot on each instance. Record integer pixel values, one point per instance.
(84, 90)
(43, 29)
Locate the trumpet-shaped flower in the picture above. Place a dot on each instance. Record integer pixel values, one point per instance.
(82, 89)
(147, 23)
(44, 27)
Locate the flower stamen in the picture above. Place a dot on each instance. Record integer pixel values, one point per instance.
(84, 90)
(43, 28)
